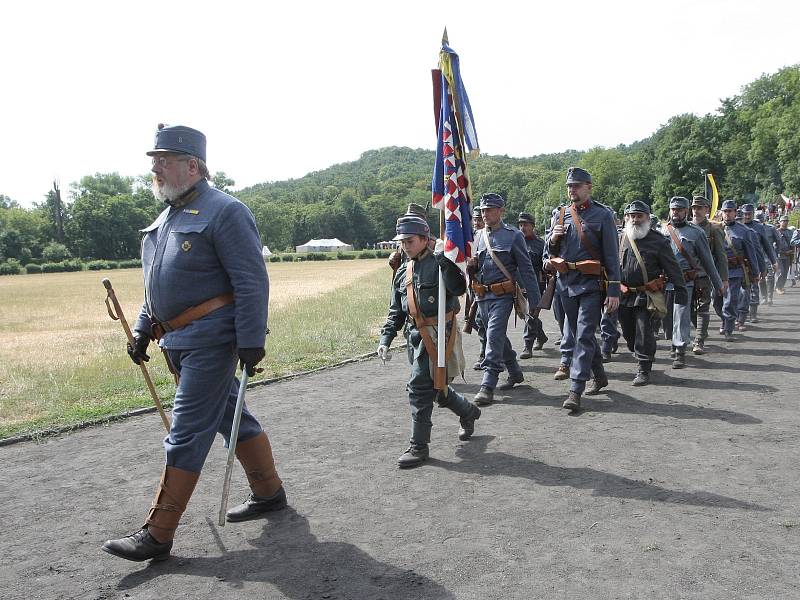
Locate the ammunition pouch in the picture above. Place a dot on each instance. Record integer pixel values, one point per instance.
(498, 289)
(654, 285)
(735, 261)
(159, 328)
(592, 268)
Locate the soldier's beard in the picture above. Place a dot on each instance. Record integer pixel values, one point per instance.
(166, 192)
(637, 232)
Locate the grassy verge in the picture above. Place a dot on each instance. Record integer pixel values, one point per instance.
(64, 378)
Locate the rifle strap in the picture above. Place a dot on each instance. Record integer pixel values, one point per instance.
(677, 239)
(588, 246)
(639, 259)
(494, 256)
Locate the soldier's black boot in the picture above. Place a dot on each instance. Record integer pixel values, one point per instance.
(485, 396)
(643, 376)
(154, 540)
(680, 358)
(468, 413)
(467, 423)
(702, 333)
(417, 452)
(573, 401)
(267, 493)
(540, 341)
(478, 366)
(527, 352)
(672, 353)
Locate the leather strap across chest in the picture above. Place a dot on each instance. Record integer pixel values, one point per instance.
(677, 239)
(588, 246)
(422, 323)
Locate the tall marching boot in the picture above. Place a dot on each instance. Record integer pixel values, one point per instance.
(154, 539)
(267, 493)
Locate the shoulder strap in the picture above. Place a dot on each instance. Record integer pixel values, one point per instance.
(730, 242)
(584, 240)
(411, 293)
(677, 239)
(639, 258)
(492, 254)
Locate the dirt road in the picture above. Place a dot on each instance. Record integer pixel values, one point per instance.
(688, 488)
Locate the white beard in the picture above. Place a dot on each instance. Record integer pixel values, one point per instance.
(167, 193)
(637, 232)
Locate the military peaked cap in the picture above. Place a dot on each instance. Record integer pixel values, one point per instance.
(748, 208)
(492, 200)
(411, 225)
(525, 217)
(578, 175)
(701, 201)
(637, 206)
(678, 202)
(728, 205)
(179, 139)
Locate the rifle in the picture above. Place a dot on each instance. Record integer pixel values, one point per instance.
(470, 310)
(546, 302)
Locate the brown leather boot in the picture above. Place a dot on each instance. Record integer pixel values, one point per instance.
(154, 540)
(255, 455)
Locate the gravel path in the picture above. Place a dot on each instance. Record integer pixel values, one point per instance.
(685, 489)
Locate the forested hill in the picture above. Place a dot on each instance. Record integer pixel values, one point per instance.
(751, 144)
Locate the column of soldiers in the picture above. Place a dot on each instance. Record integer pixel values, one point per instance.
(207, 291)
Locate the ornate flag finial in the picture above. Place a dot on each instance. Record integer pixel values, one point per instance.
(445, 41)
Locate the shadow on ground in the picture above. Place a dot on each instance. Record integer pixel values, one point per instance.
(329, 569)
(477, 460)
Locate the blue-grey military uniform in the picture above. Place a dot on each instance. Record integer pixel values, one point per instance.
(582, 296)
(425, 278)
(533, 325)
(739, 248)
(763, 243)
(767, 284)
(510, 249)
(609, 322)
(206, 247)
(695, 244)
(785, 252)
(750, 296)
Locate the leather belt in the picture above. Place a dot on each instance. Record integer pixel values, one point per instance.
(158, 329)
(498, 289)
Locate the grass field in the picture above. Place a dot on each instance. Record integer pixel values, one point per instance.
(63, 360)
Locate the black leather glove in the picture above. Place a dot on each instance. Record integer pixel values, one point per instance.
(249, 358)
(138, 351)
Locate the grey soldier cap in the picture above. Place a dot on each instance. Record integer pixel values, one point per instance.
(748, 208)
(179, 139)
(728, 205)
(476, 212)
(418, 210)
(637, 206)
(526, 217)
(578, 175)
(411, 225)
(701, 201)
(678, 202)
(492, 200)
(784, 218)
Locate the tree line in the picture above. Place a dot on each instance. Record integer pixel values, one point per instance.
(751, 144)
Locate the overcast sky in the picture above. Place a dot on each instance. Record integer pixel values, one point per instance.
(282, 89)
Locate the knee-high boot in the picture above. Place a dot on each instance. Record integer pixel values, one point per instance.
(154, 540)
(255, 456)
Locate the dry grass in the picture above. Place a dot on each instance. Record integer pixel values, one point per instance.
(62, 358)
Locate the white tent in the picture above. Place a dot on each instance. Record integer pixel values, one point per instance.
(331, 245)
(265, 252)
